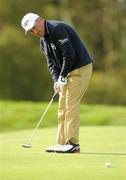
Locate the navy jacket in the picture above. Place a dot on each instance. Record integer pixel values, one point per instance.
(63, 49)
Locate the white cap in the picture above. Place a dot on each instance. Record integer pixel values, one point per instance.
(28, 21)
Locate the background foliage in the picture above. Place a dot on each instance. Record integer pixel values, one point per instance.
(101, 25)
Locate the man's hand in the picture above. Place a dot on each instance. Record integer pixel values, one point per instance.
(58, 86)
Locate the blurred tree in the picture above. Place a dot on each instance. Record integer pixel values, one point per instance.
(101, 25)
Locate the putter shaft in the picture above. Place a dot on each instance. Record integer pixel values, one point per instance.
(30, 139)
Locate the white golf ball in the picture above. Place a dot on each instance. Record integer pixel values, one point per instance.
(108, 165)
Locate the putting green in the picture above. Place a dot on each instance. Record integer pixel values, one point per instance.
(98, 146)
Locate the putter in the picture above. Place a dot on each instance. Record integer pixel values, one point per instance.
(29, 144)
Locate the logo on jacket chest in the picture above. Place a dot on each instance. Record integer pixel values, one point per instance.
(53, 46)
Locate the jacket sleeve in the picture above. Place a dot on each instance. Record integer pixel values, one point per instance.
(63, 42)
(54, 71)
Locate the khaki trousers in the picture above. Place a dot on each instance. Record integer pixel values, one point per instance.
(69, 104)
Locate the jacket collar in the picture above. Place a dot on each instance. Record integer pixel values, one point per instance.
(46, 28)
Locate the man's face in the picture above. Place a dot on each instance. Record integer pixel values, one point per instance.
(38, 29)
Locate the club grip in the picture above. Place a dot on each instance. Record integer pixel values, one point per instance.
(54, 95)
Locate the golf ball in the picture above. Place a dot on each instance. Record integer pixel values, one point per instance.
(108, 165)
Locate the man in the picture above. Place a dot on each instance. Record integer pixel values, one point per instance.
(70, 66)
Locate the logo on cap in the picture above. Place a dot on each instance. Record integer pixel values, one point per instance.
(26, 23)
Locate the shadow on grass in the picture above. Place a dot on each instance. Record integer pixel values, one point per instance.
(105, 153)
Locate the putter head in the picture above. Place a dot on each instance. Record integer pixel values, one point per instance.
(26, 145)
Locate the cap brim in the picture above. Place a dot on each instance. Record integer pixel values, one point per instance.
(29, 27)
(26, 33)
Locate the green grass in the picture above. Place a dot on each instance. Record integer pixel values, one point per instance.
(18, 163)
(19, 115)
